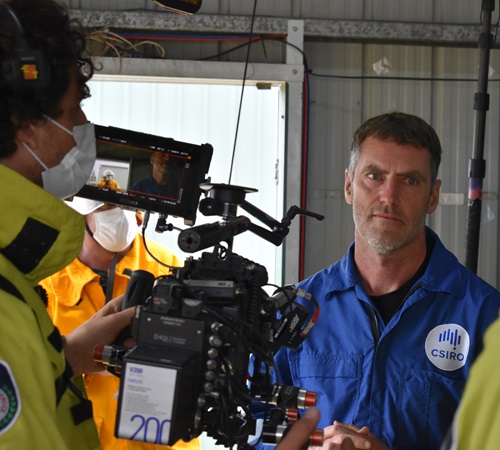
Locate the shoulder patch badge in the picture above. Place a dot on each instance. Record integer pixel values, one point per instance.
(447, 346)
(10, 402)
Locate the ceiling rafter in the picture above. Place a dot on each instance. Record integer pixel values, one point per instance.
(360, 31)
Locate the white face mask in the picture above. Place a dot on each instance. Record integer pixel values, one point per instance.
(115, 229)
(71, 174)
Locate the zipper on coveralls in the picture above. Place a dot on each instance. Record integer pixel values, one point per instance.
(374, 326)
(410, 292)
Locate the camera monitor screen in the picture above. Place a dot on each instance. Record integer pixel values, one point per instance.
(147, 172)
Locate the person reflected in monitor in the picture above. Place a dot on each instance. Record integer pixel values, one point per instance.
(164, 179)
(108, 181)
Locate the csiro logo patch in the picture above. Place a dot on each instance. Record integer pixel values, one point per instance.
(447, 346)
(10, 402)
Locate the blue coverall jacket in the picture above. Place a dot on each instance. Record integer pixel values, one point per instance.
(403, 380)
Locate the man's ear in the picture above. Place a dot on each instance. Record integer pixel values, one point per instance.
(348, 187)
(434, 199)
(139, 218)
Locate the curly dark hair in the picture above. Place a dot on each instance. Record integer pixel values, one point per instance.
(47, 27)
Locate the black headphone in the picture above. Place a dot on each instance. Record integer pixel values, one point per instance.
(27, 67)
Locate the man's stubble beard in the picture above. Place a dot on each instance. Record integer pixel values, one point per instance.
(385, 242)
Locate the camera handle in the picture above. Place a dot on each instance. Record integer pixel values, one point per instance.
(223, 200)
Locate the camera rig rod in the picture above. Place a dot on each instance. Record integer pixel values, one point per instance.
(223, 200)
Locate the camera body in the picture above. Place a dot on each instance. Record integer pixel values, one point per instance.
(205, 340)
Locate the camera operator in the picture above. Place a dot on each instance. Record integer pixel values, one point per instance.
(112, 249)
(47, 150)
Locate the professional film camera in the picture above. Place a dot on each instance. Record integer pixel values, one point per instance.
(205, 337)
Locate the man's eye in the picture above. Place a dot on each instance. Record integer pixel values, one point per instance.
(411, 181)
(374, 176)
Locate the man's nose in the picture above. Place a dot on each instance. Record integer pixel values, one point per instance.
(389, 192)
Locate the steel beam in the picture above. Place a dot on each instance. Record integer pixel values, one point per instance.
(361, 31)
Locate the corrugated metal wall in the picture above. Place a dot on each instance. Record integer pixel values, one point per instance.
(339, 105)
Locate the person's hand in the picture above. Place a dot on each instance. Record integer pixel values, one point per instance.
(340, 436)
(301, 431)
(101, 329)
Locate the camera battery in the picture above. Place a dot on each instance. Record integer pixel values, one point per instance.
(156, 394)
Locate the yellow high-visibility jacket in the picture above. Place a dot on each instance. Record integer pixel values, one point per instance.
(478, 416)
(39, 235)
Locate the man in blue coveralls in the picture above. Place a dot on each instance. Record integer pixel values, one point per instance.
(401, 319)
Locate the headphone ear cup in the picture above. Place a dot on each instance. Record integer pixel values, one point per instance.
(26, 67)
